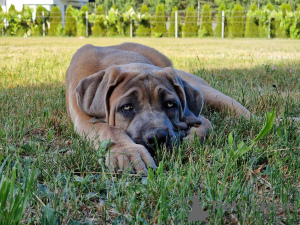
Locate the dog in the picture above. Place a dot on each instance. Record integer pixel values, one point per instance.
(131, 95)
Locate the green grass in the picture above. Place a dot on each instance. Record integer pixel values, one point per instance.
(71, 184)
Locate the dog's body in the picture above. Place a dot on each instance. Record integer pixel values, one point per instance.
(130, 94)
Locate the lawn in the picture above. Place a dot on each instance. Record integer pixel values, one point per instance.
(49, 175)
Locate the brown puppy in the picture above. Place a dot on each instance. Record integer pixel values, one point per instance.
(130, 94)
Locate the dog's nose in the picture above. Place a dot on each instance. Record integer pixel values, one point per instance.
(156, 137)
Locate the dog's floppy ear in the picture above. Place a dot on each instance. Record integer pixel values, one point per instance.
(93, 93)
(191, 99)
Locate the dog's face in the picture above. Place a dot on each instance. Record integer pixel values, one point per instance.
(153, 105)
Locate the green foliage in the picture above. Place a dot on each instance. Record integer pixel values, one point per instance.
(159, 24)
(113, 20)
(242, 147)
(26, 22)
(14, 194)
(252, 22)
(218, 29)
(39, 20)
(282, 24)
(128, 18)
(70, 22)
(14, 21)
(285, 7)
(12, 9)
(143, 29)
(170, 4)
(81, 25)
(100, 10)
(153, 4)
(267, 21)
(190, 26)
(55, 22)
(99, 28)
(270, 7)
(283, 21)
(237, 22)
(206, 25)
(172, 23)
(2, 14)
(295, 27)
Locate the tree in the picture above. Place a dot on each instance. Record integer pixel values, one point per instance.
(40, 19)
(81, 25)
(70, 22)
(159, 25)
(190, 26)
(206, 25)
(12, 9)
(284, 21)
(153, 4)
(267, 21)
(172, 23)
(143, 29)
(237, 22)
(14, 21)
(270, 7)
(218, 29)
(252, 22)
(128, 18)
(99, 28)
(1, 19)
(113, 22)
(55, 22)
(170, 4)
(295, 27)
(26, 21)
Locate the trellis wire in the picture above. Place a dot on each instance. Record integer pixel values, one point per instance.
(178, 14)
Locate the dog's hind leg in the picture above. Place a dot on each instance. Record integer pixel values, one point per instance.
(214, 99)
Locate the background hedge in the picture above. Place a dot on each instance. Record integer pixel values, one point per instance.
(144, 29)
(206, 25)
(55, 22)
(218, 29)
(252, 22)
(237, 22)
(159, 25)
(190, 27)
(171, 32)
(259, 23)
(70, 22)
(99, 28)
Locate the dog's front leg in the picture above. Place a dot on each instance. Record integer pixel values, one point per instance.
(201, 131)
(124, 152)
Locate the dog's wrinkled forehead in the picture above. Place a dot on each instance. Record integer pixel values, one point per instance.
(148, 78)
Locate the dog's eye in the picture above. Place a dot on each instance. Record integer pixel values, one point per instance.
(126, 108)
(170, 104)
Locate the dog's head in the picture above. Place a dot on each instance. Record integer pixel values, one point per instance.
(153, 105)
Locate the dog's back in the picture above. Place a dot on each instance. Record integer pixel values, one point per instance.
(157, 58)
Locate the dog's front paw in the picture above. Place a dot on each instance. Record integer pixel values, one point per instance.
(201, 131)
(133, 156)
